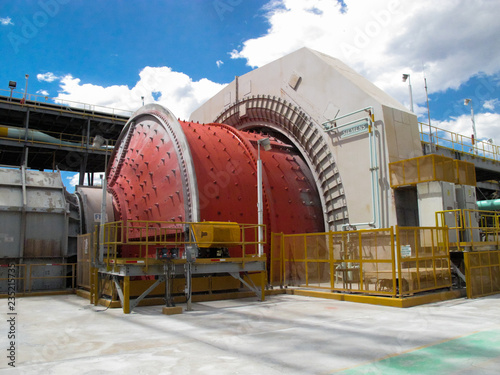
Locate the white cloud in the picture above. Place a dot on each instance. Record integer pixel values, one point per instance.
(43, 92)
(75, 179)
(487, 126)
(382, 39)
(46, 77)
(174, 90)
(6, 21)
(490, 104)
(219, 63)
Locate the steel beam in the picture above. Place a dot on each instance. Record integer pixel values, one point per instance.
(250, 285)
(137, 269)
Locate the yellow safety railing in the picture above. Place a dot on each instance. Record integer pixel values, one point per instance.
(482, 270)
(431, 168)
(423, 259)
(453, 220)
(84, 256)
(489, 226)
(457, 142)
(26, 277)
(71, 277)
(146, 237)
(364, 261)
(277, 255)
(471, 229)
(390, 262)
(20, 278)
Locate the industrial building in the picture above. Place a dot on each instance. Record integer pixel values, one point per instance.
(298, 177)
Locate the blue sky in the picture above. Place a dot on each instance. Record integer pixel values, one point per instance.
(109, 43)
(180, 53)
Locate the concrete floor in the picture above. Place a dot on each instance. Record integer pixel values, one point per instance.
(284, 335)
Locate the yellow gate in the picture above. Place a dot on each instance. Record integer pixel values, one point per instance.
(482, 270)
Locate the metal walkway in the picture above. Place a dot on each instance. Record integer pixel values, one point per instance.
(484, 155)
(43, 135)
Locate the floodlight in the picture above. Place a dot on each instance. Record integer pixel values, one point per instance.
(265, 143)
(98, 141)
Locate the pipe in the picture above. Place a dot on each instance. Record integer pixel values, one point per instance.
(35, 135)
(23, 212)
(374, 187)
(260, 208)
(327, 125)
(103, 206)
(80, 211)
(489, 205)
(429, 116)
(377, 185)
(376, 210)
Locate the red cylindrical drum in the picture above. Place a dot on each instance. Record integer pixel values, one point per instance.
(163, 169)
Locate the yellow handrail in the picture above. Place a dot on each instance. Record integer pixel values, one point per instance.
(470, 228)
(431, 168)
(27, 277)
(146, 234)
(457, 142)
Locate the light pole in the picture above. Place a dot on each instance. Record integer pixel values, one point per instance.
(98, 143)
(12, 86)
(25, 88)
(474, 135)
(405, 77)
(266, 144)
(429, 116)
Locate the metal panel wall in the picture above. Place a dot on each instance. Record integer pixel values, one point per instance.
(10, 226)
(34, 215)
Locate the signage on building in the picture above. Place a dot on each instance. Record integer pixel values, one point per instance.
(353, 130)
(97, 217)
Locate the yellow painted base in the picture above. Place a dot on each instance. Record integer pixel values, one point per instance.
(41, 293)
(171, 310)
(83, 293)
(383, 301)
(102, 301)
(155, 301)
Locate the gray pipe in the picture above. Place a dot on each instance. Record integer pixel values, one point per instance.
(38, 136)
(33, 135)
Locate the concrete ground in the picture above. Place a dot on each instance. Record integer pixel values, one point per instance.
(284, 335)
